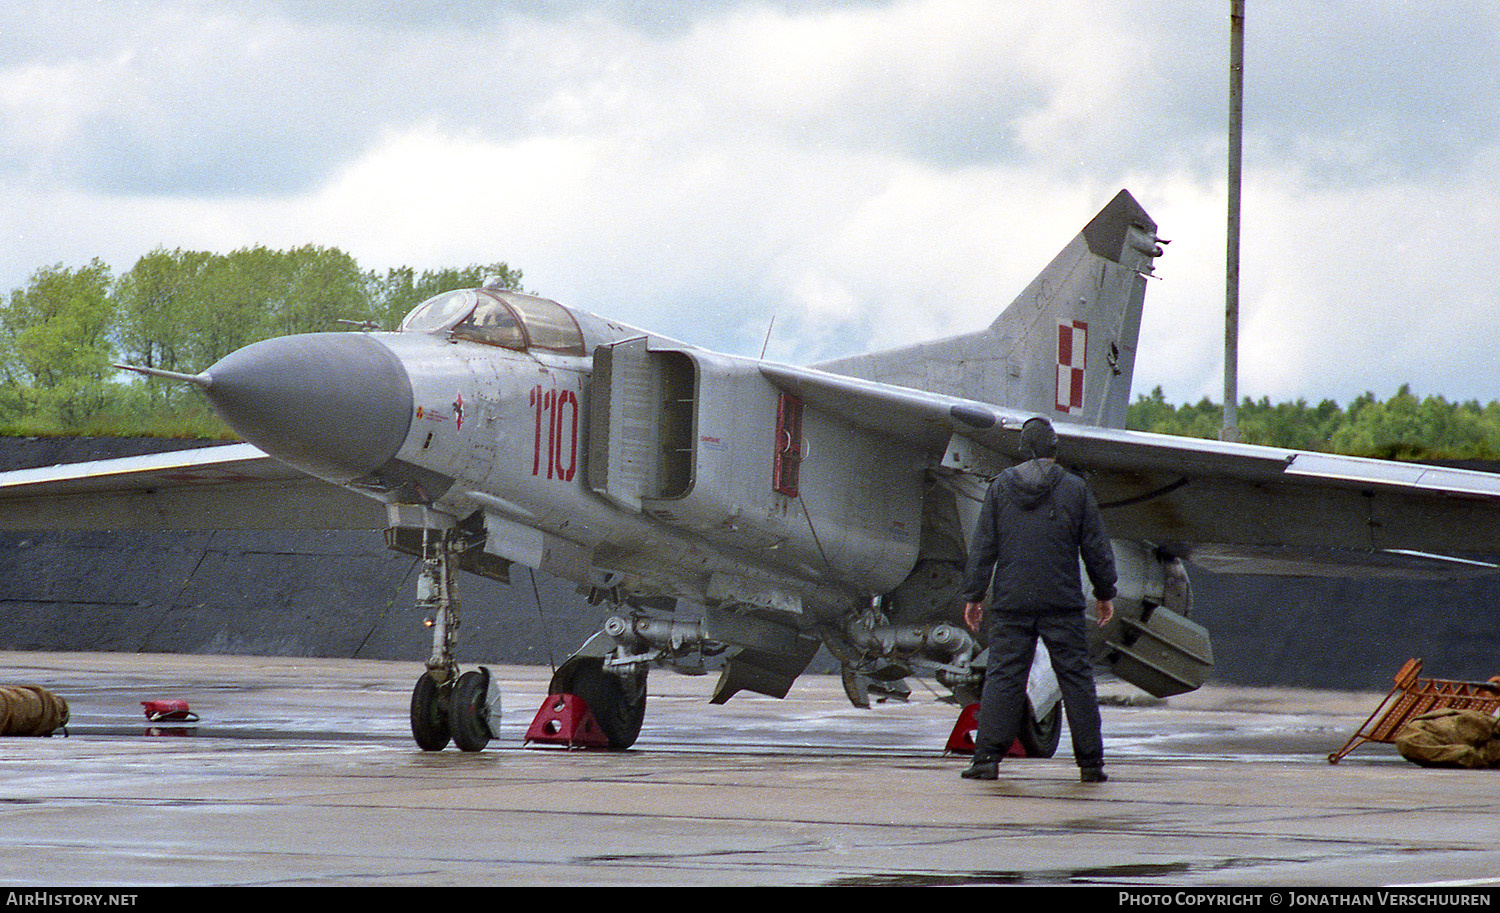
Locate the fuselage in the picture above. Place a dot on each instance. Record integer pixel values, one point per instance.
(627, 462)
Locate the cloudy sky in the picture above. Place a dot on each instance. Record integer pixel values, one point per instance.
(868, 172)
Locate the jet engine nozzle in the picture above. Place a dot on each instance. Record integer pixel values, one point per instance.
(335, 405)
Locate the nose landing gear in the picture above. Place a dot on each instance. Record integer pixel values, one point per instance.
(446, 706)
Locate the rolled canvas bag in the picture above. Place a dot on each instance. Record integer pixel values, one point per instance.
(1450, 738)
(31, 710)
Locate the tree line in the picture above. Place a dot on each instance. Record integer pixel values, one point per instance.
(182, 310)
(1403, 427)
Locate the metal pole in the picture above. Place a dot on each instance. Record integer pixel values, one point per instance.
(1231, 429)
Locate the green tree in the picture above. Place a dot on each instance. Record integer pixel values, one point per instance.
(153, 300)
(1152, 413)
(226, 307)
(1295, 425)
(1403, 427)
(321, 287)
(60, 346)
(401, 289)
(182, 311)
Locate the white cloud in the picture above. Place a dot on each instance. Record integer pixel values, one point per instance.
(868, 172)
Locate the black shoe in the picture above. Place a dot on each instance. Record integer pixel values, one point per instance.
(982, 770)
(1092, 775)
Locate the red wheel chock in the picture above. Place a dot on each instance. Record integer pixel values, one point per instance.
(961, 741)
(169, 711)
(564, 719)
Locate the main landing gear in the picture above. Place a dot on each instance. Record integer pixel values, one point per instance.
(1040, 736)
(616, 701)
(447, 706)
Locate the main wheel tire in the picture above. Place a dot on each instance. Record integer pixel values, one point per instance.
(469, 711)
(618, 703)
(429, 714)
(1040, 737)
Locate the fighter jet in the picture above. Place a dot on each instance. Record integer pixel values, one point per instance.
(799, 507)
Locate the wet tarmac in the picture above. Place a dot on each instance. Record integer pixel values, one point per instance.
(301, 772)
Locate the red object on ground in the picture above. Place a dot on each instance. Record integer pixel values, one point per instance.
(961, 741)
(564, 719)
(169, 710)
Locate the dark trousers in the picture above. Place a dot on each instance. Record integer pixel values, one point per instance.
(1002, 705)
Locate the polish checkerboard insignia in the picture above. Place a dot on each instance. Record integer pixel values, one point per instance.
(1072, 348)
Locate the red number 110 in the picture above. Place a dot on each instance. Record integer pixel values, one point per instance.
(561, 410)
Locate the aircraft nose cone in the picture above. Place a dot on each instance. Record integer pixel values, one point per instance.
(336, 405)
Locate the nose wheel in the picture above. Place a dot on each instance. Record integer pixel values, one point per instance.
(470, 709)
(461, 713)
(429, 714)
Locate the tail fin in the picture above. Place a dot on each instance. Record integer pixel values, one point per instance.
(1064, 348)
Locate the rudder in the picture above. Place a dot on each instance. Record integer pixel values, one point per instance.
(1065, 347)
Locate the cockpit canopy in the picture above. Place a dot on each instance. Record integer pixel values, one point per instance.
(498, 318)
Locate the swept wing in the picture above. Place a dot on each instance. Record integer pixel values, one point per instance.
(1230, 507)
(229, 487)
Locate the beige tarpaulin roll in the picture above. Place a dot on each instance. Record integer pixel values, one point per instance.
(1450, 738)
(31, 710)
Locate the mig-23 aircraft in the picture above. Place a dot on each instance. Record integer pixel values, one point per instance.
(800, 507)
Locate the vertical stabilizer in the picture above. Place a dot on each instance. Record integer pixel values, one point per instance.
(1064, 348)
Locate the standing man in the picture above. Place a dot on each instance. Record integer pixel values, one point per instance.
(1037, 520)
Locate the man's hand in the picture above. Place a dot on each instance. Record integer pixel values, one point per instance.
(1106, 610)
(973, 615)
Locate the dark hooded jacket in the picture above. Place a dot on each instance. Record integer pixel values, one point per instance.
(1038, 519)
